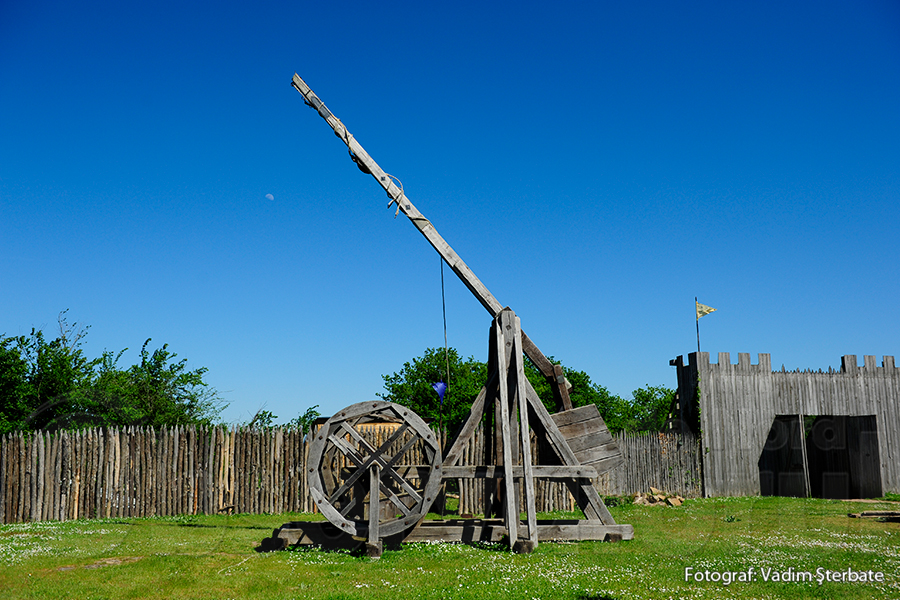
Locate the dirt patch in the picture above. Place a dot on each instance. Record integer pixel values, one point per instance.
(103, 562)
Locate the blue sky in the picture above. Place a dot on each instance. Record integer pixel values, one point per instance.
(596, 165)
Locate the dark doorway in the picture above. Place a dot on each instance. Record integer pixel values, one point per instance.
(843, 457)
(821, 456)
(782, 466)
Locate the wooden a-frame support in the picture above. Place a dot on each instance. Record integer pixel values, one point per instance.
(517, 409)
(511, 407)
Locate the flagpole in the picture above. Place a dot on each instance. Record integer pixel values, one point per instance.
(697, 317)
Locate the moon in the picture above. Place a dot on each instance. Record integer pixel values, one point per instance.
(270, 197)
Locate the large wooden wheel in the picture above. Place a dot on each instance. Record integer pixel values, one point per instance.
(365, 487)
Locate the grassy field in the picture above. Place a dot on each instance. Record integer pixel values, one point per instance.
(215, 557)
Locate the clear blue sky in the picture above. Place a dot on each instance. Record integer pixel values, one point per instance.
(598, 165)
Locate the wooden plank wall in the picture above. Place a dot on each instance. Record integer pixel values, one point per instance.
(667, 462)
(739, 402)
(137, 472)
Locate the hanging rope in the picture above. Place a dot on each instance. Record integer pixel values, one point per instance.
(399, 184)
(447, 360)
(444, 309)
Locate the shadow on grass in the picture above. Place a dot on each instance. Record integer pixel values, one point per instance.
(357, 552)
(191, 521)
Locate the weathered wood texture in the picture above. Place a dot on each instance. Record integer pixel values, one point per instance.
(404, 468)
(467, 531)
(739, 402)
(492, 530)
(588, 437)
(136, 472)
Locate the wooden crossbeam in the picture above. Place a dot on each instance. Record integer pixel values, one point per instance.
(375, 456)
(493, 530)
(494, 471)
(518, 472)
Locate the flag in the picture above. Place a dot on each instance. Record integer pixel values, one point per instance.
(703, 310)
(440, 387)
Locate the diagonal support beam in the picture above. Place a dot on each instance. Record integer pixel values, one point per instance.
(476, 413)
(362, 464)
(587, 497)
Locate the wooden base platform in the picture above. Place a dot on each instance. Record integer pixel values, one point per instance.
(886, 516)
(326, 535)
(492, 530)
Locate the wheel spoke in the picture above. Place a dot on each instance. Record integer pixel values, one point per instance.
(389, 493)
(353, 502)
(412, 442)
(342, 456)
(377, 455)
(346, 449)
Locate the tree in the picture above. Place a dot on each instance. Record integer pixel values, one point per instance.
(15, 390)
(583, 391)
(265, 419)
(650, 407)
(53, 385)
(39, 379)
(154, 393)
(412, 386)
(304, 422)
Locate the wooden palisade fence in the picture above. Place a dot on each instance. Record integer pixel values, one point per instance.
(142, 472)
(668, 462)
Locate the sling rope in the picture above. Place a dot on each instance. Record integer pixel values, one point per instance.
(447, 360)
(444, 309)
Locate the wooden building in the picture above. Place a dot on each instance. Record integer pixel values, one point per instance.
(827, 434)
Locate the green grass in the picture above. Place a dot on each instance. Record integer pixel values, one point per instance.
(215, 557)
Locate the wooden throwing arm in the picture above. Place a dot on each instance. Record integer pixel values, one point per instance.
(368, 165)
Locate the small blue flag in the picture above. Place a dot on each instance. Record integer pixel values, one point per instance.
(440, 387)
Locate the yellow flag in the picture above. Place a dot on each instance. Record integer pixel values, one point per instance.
(703, 310)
